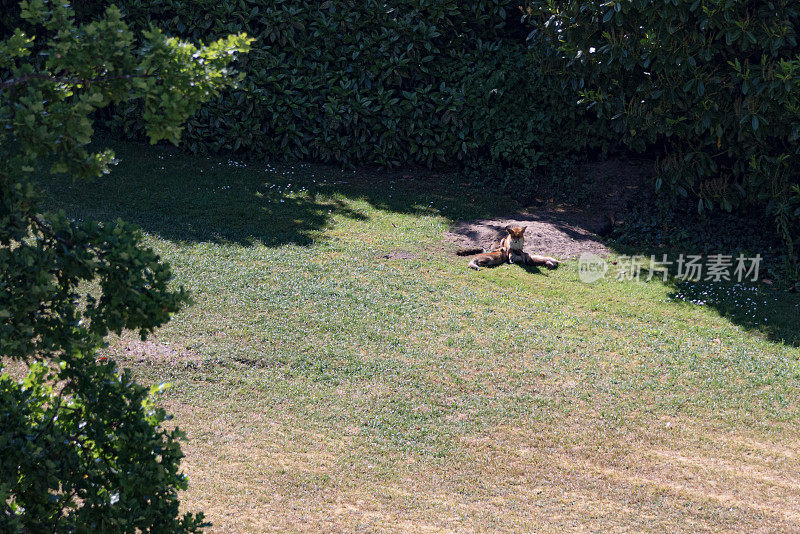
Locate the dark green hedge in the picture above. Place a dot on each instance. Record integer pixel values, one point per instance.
(411, 82)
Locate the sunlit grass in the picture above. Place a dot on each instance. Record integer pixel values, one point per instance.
(324, 386)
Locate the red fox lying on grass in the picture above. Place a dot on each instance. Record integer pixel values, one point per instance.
(510, 250)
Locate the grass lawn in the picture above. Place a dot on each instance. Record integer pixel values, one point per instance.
(327, 387)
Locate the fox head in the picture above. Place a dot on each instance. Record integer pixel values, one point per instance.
(516, 235)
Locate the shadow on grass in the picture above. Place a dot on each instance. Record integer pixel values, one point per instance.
(765, 306)
(753, 305)
(186, 198)
(774, 314)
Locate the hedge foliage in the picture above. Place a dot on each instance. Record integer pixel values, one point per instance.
(411, 82)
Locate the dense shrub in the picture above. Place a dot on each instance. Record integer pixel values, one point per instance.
(412, 82)
(713, 86)
(524, 112)
(513, 112)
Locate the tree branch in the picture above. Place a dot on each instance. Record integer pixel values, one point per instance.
(45, 229)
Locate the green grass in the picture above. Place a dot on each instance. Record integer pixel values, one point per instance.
(326, 387)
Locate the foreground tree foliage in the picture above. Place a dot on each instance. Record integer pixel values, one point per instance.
(81, 446)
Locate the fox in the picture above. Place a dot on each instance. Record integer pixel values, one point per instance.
(487, 259)
(511, 250)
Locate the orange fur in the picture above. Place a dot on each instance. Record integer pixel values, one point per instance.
(487, 259)
(511, 250)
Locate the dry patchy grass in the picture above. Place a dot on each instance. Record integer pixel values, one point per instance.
(576, 475)
(325, 387)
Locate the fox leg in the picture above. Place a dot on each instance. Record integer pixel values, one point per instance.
(517, 256)
(547, 261)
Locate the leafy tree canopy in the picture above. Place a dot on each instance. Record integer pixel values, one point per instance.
(81, 446)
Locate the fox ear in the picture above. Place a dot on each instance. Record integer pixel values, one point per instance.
(524, 229)
(508, 228)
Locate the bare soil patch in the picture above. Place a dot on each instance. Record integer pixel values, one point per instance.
(565, 230)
